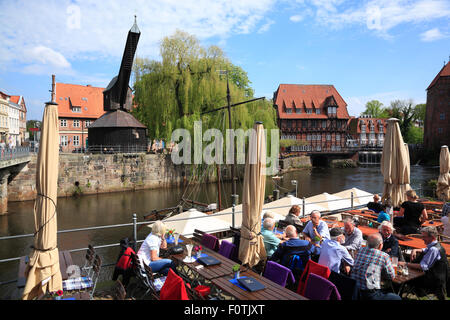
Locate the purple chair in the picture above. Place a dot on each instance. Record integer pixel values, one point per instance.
(278, 273)
(319, 288)
(210, 242)
(227, 249)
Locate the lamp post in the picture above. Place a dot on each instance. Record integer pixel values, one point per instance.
(294, 183)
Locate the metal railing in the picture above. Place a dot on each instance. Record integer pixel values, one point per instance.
(14, 153)
(109, 149)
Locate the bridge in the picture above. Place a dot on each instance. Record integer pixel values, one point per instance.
(11, 162)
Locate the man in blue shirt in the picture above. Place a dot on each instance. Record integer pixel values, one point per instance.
(316, 229)
(433, 261)
(332, 252)
(294, 253)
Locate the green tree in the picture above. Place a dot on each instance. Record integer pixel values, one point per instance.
(405, 111)
(414, 135)
(420, 111)
(374, 108)
(173, 92)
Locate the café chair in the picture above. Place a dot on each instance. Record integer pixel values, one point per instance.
(146, 279)
(227, 249)
(278, 273)
(345, 285)
(85, 285)
(319, 288)
(86, 269)
(311, 268)
(119, 292)
(174, 288)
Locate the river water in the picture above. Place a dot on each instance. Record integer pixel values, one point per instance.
(117, 208)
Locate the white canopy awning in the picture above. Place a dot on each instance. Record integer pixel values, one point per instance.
(194, 219)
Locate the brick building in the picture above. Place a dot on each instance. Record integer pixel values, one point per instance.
(20, 101)
(315, 116)
(78, 107)
(437, 117)
(367, 131)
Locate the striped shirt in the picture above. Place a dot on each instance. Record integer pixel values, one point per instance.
(368, 267)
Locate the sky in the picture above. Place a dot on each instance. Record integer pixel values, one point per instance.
(367, 49)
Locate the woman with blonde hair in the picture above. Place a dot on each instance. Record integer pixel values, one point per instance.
(412, 214)
(149, 250)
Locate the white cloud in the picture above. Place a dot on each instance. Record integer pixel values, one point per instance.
(265, 27)
(381, 16)
(432, 35)
(296, 18)
(97, 30)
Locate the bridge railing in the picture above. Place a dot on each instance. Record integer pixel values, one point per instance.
(14, 153)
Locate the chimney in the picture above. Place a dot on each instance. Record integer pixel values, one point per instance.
(53, 89)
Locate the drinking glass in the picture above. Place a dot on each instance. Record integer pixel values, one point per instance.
(189, 247)
(176, 236)
(395, 263)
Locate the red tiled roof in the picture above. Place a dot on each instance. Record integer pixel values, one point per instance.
(15, 99)
(445, 72)
(89, 98)
(308, 97)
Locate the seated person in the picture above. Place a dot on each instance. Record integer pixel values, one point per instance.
(332, 252)
(390, 242)
(316, 229)
(370, 265)
(293, 216)
(382, 215)
(271, 240)
(287, 252)
(268, 214)
(375, 206)
(149, 250)
(433, 261)
(412, 214)
(353, 236)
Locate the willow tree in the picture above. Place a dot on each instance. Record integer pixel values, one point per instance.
(173, 92)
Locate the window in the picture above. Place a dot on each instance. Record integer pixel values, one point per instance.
(309, 111)
(328, 137)
(63, 140)
(76, 109)
(87, 123)
(76, 140)
(63, 122)
(442, 116)
(338, 137)
(76, 123)
(298, 111)
(440, 130)
(288, 110)
(324, 124)
(317, 111)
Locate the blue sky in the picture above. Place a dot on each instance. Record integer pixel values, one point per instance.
(371, 49)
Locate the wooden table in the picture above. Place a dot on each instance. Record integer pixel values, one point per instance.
(272, 290)
(366, 231)
(219, 276)
(402, 280)
(65, 260)
(417, 243)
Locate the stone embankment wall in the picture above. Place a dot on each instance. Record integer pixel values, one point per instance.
(295, 163)
(91, 174)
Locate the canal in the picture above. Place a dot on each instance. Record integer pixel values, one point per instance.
(117, 208)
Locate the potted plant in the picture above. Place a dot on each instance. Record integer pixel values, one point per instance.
(236, 269)
(57, 295)
(198, 249)
(170, 233)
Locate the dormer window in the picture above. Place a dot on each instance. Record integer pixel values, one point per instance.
(298, 111)
(76, 109)
(317, 111)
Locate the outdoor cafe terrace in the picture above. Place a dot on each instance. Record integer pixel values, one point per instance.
(214, 282)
